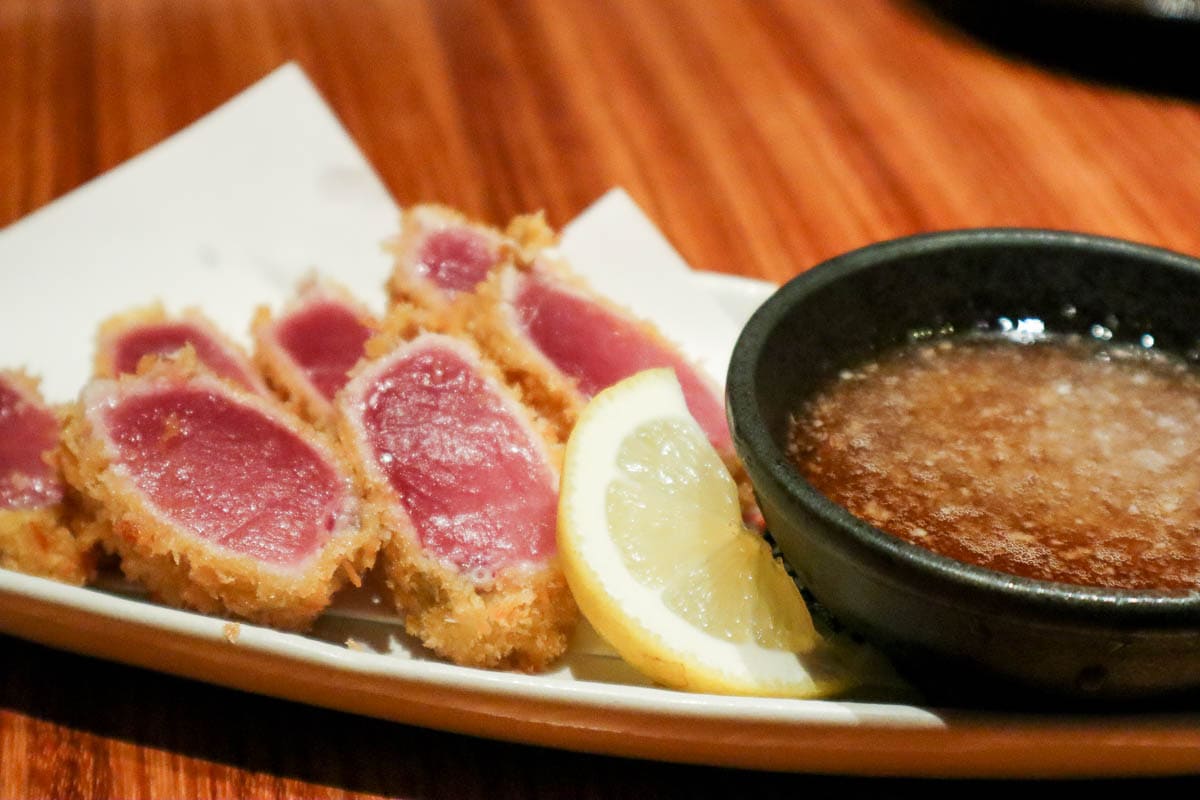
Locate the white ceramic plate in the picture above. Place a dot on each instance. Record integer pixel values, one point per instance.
(359, 660)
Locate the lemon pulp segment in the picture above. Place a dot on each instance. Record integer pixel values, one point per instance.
(674, 516)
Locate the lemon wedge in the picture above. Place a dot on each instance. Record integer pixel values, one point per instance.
(652, 543)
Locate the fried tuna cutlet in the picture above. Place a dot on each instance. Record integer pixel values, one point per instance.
(215, 498)
(308, 350)
(467, 480)
(33, 535)
(440, 255)
(125, 339)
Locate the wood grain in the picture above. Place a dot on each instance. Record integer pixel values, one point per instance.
(762, 136)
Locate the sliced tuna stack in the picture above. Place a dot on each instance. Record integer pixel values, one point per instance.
(214, 498)
(124, 340)
(561, 342)
(467, 480)
(33, 538)
(308, 350)
(441, 255)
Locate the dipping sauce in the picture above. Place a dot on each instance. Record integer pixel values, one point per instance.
(1063, 459)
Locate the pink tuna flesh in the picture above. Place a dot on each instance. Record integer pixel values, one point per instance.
(28, 431)
(596, 347)
(226, 472)
(456, 259)
(325, 339)
(164, 338)
(471, 476)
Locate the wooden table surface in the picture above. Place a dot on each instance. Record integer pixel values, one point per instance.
(762, 137)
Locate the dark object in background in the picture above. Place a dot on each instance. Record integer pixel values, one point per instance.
(1149, 45)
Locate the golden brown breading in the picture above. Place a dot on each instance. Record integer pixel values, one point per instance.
(182, 569)
(283, 375)
(531, 235)
(524, 618)
(522, 621)
(38, 541)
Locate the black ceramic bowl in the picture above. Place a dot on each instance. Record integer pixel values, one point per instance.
(953, 628)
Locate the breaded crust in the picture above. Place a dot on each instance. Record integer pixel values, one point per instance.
(281, 372)
(523, 619)
(37, 542)
(184, 570)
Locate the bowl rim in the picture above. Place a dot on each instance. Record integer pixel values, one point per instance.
(1013, 593)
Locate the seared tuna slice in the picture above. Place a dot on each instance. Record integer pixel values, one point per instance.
(33, 538)
(440, 255)
(468, 483)
(561, 344)
(214, 498)
(124, 340)
(307, 351)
